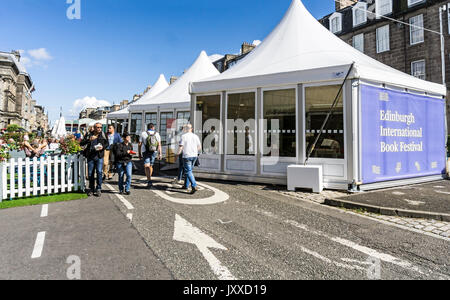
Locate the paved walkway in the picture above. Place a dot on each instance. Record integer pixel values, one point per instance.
(426, 226)
(427, 201)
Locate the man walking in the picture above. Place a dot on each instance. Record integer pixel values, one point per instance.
(190, 147)
(95, 143)
(123, 155)
(152, 142)
(113, 139)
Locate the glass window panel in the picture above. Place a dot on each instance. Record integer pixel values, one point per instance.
(358, 42)
(151, 118)
(318, 102)
(383, 42)
(279, 132)
(208, 118)
(418, 69)
(416, 28)
(163, 126)
(241, 124)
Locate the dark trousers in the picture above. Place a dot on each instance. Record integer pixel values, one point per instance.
(180, 168)
(95, 165)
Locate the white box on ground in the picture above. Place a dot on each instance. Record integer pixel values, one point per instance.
(306, 177)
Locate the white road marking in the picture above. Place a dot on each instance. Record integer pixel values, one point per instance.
(441, 192)
(329, 261)
(398, 193)
(339, 210)
(439, 187)
(186, 233)
(218, 196)
(368, 251)
(414, 203)
(39, 245)
(224, 223)
(130, 217)
(44, 211)
(121, 198)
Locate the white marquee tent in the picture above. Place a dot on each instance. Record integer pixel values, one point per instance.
(160, 85)
(304, 62)
(174, 103)
(177, 95)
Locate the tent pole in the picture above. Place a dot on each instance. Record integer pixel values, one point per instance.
(335, 102)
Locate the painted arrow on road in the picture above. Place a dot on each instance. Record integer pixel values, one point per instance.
(186, 233)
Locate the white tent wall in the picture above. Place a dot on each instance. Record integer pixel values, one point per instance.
(300, 54)
(338, 173)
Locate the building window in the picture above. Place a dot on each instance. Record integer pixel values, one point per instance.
(359, 13)
(383, 7)
(183, 118)
(166, 119)
(318, 101)
(136, 124)
(358, 42)
(241, 124)
(336, 23)
(418, 69)
(279, 123)
(208, 117)
(151, 118)
(383, 42)
(416, 30)
(414, 2)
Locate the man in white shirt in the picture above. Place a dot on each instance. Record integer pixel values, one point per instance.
(152, 142)
(190, 147)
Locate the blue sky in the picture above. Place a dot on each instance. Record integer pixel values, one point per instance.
(121, 46)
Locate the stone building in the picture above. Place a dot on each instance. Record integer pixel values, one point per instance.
(15, 91)
(228, 60)
(412, 46)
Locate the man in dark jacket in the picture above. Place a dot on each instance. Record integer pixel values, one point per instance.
(113, 139)
(123, 155)
(96, 144)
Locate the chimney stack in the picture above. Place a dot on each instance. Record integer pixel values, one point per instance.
(173, 79)
(16, 54)
(340, 4)
(246, 48)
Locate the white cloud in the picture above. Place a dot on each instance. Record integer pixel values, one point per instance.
(86, 102)
(256, 42)
(35, 57)
(40, 54)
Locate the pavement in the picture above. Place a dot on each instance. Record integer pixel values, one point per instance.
(427, 201)
(92, 230)
(255, 232)
(228, 230)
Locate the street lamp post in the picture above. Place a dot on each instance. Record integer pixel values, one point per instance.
(442, 9)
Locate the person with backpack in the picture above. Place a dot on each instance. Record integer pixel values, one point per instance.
(152, 142)
(123, 154)
(95, 143)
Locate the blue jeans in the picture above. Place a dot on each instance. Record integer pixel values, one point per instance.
(150, 158)
(188, 166)
(95, 165)
(122, 169)
(180, 168)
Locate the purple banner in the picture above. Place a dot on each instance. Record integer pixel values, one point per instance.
(403, 135)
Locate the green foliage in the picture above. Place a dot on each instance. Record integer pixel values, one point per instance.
(70, 146)
(12, 128)
(42, 200)
(4, 154)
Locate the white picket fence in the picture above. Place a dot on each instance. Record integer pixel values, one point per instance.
(44, 176)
